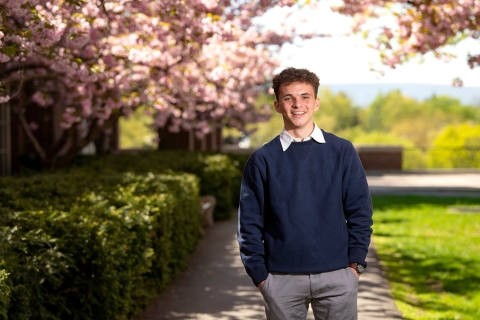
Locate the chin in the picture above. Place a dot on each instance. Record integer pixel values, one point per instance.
(299, 125)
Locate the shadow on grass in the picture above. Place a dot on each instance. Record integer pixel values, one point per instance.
(425, 273)
(400, 202)
(459, 280)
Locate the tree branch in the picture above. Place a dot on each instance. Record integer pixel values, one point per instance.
(60, 144)
(92, 134)
(18, 110)
(28, 79)
(23, 66)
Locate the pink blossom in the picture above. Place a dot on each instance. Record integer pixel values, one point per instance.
(388, 32)
(420, 26)
(41, 99)
(65, 125)
(184, 66)
(33, 125)
(286, 3)
(86, 107)
(457, 82)
(4, 58)
(4, 99)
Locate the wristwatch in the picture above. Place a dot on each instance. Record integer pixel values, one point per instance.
(358, 267)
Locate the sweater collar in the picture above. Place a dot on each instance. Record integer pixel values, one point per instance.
(286, 139)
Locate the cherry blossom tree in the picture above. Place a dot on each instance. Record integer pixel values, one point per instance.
(98, 60)
(404, 28)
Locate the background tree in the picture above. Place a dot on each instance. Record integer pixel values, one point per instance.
(418, 121)
(404, 28)
(456, 147)
(391, 119)
(136, 131)
(191, 63)
(337, 112)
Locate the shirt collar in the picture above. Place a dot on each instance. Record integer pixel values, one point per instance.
(286, 139)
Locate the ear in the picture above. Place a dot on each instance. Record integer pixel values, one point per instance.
(277, 106)
(317, 104)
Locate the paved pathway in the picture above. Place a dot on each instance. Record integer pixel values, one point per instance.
(439, 183)
(216, 287)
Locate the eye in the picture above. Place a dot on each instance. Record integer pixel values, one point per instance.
(287, 99)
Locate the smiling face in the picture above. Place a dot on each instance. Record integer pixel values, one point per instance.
(297, 103)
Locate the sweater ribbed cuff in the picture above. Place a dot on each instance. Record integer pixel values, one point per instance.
(357, 255)
(258, 275)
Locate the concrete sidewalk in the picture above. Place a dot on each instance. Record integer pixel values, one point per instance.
(438, 183)
(216, 286)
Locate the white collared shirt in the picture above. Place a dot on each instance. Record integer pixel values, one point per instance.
(286, 139)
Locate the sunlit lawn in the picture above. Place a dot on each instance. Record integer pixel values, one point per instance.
(432, 254)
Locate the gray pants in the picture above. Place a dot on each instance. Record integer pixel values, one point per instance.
(333, 295)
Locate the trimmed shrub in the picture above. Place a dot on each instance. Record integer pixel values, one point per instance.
(218, 175)
(82, 246)
(239, 161)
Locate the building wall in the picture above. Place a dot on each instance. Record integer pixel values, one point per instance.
(382, 158)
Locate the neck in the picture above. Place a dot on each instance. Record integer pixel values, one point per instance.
(301, 133)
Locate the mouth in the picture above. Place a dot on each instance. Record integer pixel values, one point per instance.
(298, 113)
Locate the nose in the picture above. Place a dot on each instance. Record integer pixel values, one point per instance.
(294, 102)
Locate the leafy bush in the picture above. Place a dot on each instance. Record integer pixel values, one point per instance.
(218, 176)
(456, 147)
(83, 246)
(239, 161)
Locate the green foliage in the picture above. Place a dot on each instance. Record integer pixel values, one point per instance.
(266, 131)
(419, 122)
(220, 178)
(391, 119)
(337, 112)
(386, 110)
(239, 161)
(83, 246)
(136, 131)
(94, 241)
(456, 147)
(4, 292)
(413, 157)
(432, 254)
(217, 174)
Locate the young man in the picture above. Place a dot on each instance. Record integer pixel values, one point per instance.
(305, 212)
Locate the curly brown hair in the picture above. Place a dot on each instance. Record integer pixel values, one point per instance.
(291, 75)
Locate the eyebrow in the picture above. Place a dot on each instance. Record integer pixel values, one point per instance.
(291, 95)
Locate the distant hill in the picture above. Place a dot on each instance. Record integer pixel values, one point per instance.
(363, 94)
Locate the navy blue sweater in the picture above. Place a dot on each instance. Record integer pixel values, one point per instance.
(303, 210)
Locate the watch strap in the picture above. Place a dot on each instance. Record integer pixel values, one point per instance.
(359, 268)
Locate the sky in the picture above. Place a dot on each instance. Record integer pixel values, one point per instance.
(342, 60)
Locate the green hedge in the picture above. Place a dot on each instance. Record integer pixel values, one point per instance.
(218, 174)
(239, 161)
(83, 246)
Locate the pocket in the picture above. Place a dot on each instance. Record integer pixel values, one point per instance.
(265, 284)
(350, 271)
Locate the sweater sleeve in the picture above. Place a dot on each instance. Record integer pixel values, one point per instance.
(251, 223)
(357, 207)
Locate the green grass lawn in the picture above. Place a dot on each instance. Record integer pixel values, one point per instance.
(431, 248)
